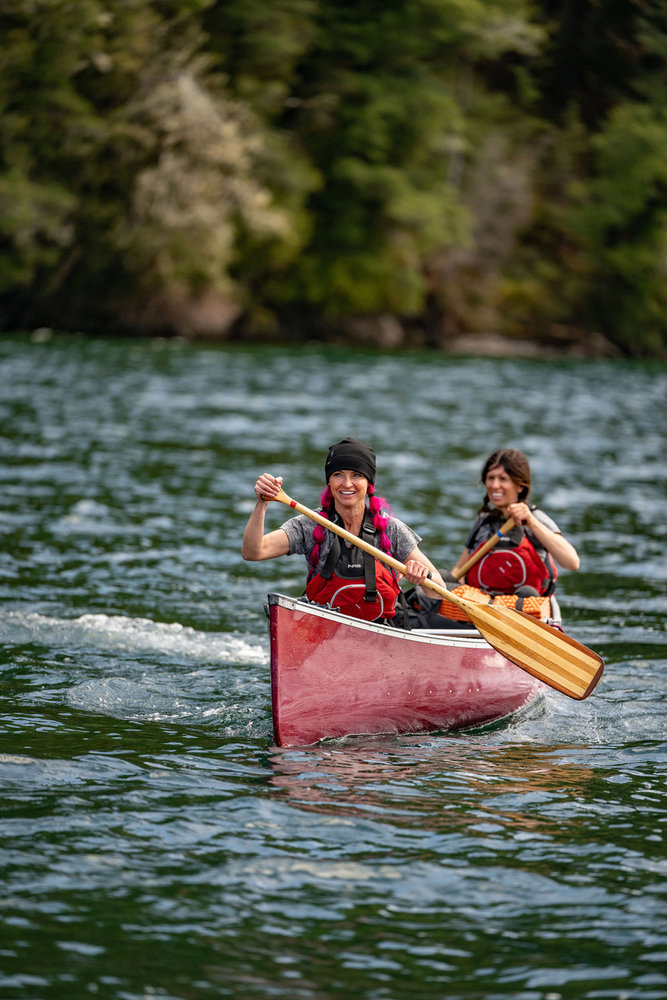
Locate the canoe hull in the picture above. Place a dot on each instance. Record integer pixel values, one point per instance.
(334, 676)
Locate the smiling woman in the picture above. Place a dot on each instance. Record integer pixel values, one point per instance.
(522, 560)
(339, 573)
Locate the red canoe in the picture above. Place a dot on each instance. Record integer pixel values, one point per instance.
(334, 676)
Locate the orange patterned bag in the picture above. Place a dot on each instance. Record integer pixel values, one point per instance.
(539, 607)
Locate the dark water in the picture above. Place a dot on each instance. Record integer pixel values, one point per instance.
(154, 841)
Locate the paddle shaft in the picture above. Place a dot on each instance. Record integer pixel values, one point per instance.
(367, 547)
(476, 556)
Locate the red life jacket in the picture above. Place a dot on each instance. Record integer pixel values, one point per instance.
(349, 597)
(354, 582)
(513, 563)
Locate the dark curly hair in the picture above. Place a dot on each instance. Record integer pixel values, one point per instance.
(515, 465)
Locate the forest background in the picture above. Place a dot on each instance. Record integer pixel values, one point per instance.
(398, 173)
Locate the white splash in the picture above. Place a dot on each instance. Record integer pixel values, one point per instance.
(131, 635)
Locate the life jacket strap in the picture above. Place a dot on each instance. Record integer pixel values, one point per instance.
(368, 535)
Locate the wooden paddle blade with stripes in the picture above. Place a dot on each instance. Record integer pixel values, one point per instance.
(545, 652)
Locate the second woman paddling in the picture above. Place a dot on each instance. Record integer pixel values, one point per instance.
(339, 573)
(523, 561)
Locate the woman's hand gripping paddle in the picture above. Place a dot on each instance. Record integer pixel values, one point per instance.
(550, 655)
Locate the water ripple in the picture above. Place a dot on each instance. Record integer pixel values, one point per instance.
(157, 844)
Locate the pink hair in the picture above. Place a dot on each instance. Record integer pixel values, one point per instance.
(378, 507)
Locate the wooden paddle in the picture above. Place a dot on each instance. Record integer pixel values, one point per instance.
(550, 655)
(483, 549)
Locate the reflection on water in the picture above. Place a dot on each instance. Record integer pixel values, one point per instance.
(157, 844)
(408, 781)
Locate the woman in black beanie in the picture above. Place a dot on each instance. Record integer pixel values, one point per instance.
(339, 573)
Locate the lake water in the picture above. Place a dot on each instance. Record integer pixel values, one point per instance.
(154, 840)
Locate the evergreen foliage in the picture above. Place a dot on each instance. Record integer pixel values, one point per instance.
(242, 166)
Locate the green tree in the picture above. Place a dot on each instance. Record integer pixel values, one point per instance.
(468, 164)
(593, 256)
(593, 57)
(126, 170)
(621, 220)
(383, 101)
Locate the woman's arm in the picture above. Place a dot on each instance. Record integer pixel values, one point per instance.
(257, 545)
(556, 544)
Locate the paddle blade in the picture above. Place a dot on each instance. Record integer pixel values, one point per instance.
(545, 652)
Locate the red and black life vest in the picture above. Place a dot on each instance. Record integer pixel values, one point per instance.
(513, 562)
(355, 583)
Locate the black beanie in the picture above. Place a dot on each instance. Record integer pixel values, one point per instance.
(351, 454)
